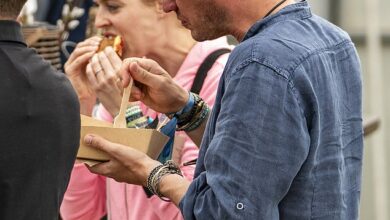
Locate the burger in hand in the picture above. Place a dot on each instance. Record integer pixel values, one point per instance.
(115, 42)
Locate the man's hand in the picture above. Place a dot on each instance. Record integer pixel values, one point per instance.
(133, 167)
(126, 164)
(153, 85)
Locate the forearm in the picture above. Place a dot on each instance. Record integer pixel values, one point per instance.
(174, 187)
(86, 107)
(86, 99)
(197, 134)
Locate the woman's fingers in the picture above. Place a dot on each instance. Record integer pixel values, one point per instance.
(93, 41)
(78, 62)
(91, 44)
(97, 68)
(91, 76)
(114, 59)
(105, 63)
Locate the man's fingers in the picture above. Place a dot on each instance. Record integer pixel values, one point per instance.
(100, 168)
(142, 75)
(136, 94)
(124, 71)
(97, 142)
(117, 151)
(145, 71)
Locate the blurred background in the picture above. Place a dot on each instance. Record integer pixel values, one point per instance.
(367, 22)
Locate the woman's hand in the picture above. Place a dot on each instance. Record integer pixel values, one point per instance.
(75, 69)
(103, 76)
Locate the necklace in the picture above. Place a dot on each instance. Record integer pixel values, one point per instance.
(275, 7)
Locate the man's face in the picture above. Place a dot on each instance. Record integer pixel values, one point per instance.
(206, 19)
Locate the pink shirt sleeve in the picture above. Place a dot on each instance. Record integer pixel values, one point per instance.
(85, 197)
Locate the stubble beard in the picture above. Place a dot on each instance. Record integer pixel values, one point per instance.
(212, 23)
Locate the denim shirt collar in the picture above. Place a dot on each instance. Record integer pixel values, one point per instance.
(11, 32)
(300, 10)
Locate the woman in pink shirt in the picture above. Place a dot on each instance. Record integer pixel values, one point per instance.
(147, 32)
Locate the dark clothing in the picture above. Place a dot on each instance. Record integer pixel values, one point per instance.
(285, 138)
(39, 131)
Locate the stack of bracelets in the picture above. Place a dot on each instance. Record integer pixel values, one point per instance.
(188, 119)
(192, 115)
(157, 173)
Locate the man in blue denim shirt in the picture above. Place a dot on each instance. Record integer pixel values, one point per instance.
(284, 140)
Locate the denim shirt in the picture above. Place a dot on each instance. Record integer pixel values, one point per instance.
(285, 138)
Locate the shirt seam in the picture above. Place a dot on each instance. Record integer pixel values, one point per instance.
(318, 51)
(277, 71)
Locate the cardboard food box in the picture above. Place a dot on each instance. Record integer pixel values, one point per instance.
(149, 141)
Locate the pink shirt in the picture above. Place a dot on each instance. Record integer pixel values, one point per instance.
(90, 196)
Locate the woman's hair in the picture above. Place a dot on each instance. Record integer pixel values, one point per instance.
(11, 8)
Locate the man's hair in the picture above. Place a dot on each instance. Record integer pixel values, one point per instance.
(11, 8)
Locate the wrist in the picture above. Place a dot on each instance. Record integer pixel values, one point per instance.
(179, 103)
(156, 175)
(148, 168)
(174, 187)
(185, 108)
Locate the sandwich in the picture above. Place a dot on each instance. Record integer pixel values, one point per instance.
(115, 42)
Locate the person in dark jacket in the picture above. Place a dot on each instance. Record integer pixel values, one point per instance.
(40, 126)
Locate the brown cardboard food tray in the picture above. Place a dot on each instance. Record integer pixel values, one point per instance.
(148, 141)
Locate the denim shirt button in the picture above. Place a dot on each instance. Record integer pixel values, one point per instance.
(240, 206)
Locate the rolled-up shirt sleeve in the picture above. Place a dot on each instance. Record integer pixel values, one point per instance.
(259, 144)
